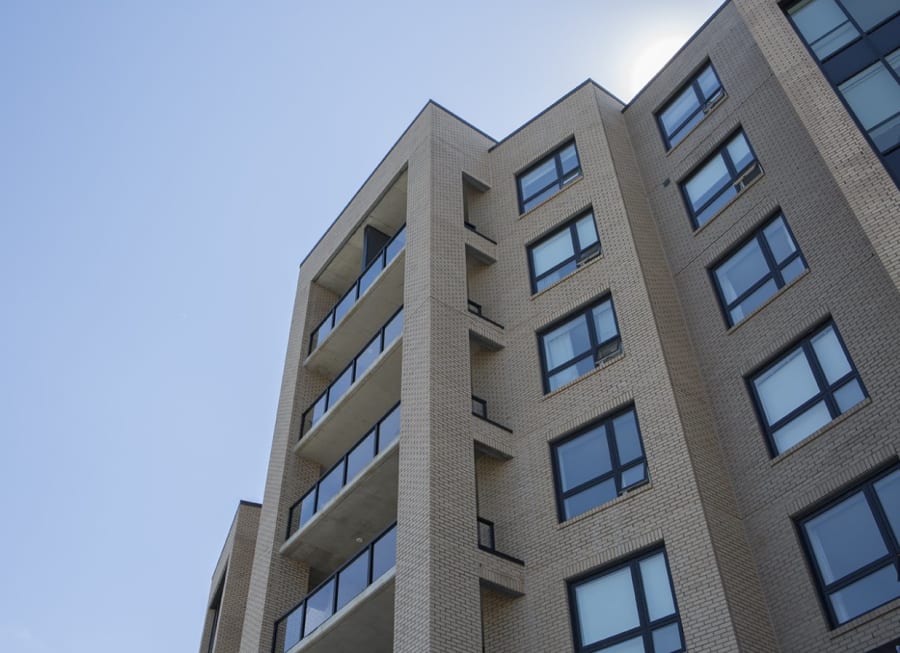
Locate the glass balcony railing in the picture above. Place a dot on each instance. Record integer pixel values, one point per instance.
(388, 253)
(354, 371)
(487, 542)
(370, 564)
(349, 467)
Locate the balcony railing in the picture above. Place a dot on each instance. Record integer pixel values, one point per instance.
(479, 410)
(476, 309)
(357, 367)
(349, 467)
(387, 254)
(486, 541)
(370, 564)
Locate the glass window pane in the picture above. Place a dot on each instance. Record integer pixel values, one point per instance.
(605, 321)
(393, 330)
(848, 395)
(742, 270)
(319, 409)
(606, 606)
(706, 182)
(569, 159)
(866, 594)
(893, 60)
(756, 299)
(824, 26)
(888, 491)
(740, 153)
(780, 241)
(396, 245)
(540, 197)
(344, 305)
(583, 458)
(353, 579)
(594, 496)
(318, 607)
(801, 426)
(792, 270)
(635, 645)
(667, 639)
(389, 429)
(628, 441)
(555, 276)
(541, 176)
(874, 97)
(370, 275)
(657, 591)
(361, 456)
(340, 386)
(570, 373)
(633, 476)
(307, 507)
(385, 554)
(552, 251)
(709, 83)
(566, 341)
(831, 355)
(292, 632)
(587, 231)
(785, 386)
(368, 355)
(682, 108)
(868, 13)
(330, 485)
(836, 553)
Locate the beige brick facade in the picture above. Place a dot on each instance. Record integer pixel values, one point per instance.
(722, 507)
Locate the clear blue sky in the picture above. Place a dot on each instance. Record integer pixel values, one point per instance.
(164, 168)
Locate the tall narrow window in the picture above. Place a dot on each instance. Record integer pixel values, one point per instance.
(548, 176)
(853, 545)
(560, 253)
(690, 105)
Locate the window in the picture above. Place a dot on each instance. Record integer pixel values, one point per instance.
(829, 25)
(718, 179)
(873, 95)
(573, 347)
(806, 388)
(598, 463)
(564, 250)
(627, 609)
(548, 176)
(760, 266)
(852, 544)
(690, 106)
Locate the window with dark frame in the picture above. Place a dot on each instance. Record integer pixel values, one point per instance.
(598, 463)
(857, 45)
(805, 388)
(576, 344)
(856, 574)
(721, 177)
(562, 251)
(754, 271)
(629, 607)
(690, 105)
(548, 176)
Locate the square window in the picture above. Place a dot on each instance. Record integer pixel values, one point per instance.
(690, 105)
(563, 251)
(805, 388)
(548, 176)
(756, 269)
(628, 608)
(859, 573)
(598, 463)
(575, 345)
(719, 178)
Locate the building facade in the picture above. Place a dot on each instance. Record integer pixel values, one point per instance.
(622, 381)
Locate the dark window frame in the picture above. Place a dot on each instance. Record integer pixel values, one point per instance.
(775, 269)
(866, 487)
(706, 105)
(606, 421)
(596, 346)
(581, 255)
(737, 177)
(826, 389)
(646, 627)
(561, 180)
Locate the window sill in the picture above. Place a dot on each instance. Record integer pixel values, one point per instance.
(863, 619)
(602, 366)
(815, 435)
(719, 103)
(771, 299)
(628, 494)
(571, 274)
(762, 174)
(552, 197)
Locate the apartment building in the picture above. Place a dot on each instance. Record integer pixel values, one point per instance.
(622, 381)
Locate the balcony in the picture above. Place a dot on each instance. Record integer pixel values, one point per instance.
(372, 298)
(364, 390)
(351, 503)
(351, 611)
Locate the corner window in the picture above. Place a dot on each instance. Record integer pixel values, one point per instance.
(690, 106)
(853, 546)
(829, 25)
(761, 265)
(548, 176)
(565, 249)
(578, 343)
(720, 178)
(873, 95)
(806, 388)
(598, 463)
(629, 608)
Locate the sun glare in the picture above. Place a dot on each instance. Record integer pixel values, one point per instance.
(651, 60)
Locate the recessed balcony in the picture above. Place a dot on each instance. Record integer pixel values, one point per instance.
(351, 611)
(351, 503)
(362, 393)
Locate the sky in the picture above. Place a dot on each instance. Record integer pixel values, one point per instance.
(164, 168)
